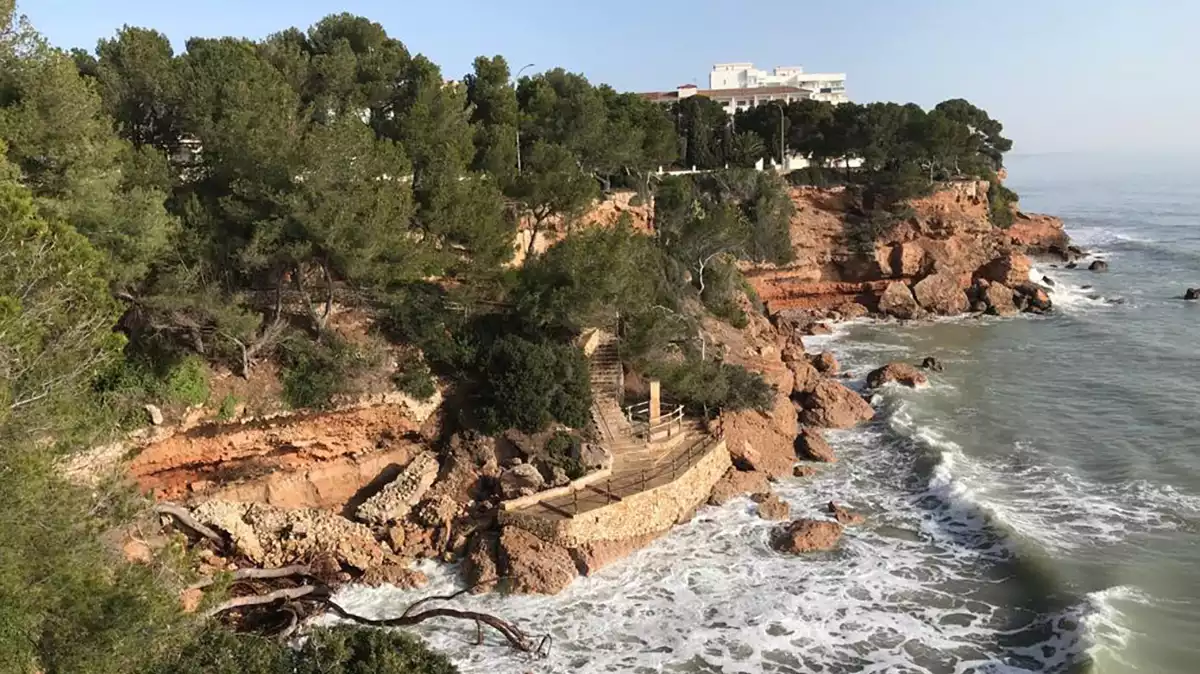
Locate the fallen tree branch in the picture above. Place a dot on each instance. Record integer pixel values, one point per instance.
(289, 593)
(259, 574)
(511, 633)
(185, 518)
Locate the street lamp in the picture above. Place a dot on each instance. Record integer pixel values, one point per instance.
(782, 114)
(517, 78)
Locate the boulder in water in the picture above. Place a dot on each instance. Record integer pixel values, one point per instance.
(897, 301)
(901, 373)
(771, 507)
(1072, 265)
(1048, 281)
(825, 362)
(1192, 294)
(803, 470)
(932, 364)
(832, 405)
(843, 516)
(805, 535)
(533, 566)
(1098, 265)
(941, 294)
(810, 444)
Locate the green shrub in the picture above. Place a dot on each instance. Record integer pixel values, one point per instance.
(709, 386)
(1001, 202)
(414, 377)
(228, 407)
(315, 372)
(337, 650)
(562, 450)
(187, 381)
(530, 384)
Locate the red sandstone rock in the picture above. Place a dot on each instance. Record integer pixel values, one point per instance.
(804, 471)
(771, 507)
(810, 444)
(395, 575)
(897, 301)
(901, 373)
(592, 557)
(479, 567)
(941, 294)
(999, 299)
(825, 362)
(736, 483)
(533, 566)
(832, 405)
(1011, 269)
(844, 516)
(805, 377)
(805, 535)
(851, 310)
(1037, 233)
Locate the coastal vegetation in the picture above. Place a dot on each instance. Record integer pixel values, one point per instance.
(167, 215)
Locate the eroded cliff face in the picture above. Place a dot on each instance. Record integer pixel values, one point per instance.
(949, 233)
(605, 212)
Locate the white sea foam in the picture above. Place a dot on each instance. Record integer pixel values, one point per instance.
(1068, 296)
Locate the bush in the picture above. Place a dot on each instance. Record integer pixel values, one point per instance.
(817, 176)
(414, 377)
(337, 650)
(228, 407)
(562, 451)
(315, 372)
(187, 382)
(709, 386)
(530, 384)
(418, 315)
(1001, 202)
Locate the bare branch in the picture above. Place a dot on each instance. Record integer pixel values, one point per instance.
(185, 518)
(289, 593)
(259, 574)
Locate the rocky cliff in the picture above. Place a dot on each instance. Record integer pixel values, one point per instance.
(949, 233)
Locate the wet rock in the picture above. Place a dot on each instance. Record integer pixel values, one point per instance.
(591, 557)
(1048, 281)
(852, 310)
(941, 294)
(932, 364)
(1072, 265)
(1032, 297)
(1010, 269)
(979, 307)
(832, 405)
(395, 575)
(735, 483)
(999, 299)
(398, 497)
(843, 516)
(811, 445)
(771, 507)
(1192, 294)
(805, 377)
(521, 480)
(816, 329)
(155, 414)
(1098, 265)
(479, 566)
(901, 373)
(804, 471)
(825, 362)
(805, 535)
(533, 566)
(897, 301)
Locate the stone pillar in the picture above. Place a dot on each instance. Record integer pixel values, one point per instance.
(655, 401)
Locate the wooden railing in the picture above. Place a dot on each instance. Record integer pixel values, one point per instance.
(609, 491)
(639, 418)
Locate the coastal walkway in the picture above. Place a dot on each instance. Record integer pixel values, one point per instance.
(650, 446)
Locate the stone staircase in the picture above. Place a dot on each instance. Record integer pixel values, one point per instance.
(608, 382)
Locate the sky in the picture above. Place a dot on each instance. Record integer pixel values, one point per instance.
(1062, 75)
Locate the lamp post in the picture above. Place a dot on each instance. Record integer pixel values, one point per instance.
(517, 78)
(782, 115)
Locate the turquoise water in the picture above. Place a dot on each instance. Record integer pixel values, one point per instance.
(1035, 509)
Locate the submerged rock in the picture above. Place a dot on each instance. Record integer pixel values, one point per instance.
(804, 471)
(844, 516)
(1098, 265)
(1192, 294)
(735, 483)
(901, 373)
(806, 535)
(932, 364)
(771, 507)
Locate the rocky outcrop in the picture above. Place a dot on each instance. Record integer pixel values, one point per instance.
(533, 566)
(771, 507)
(737, 483)
(932, 364)
(1031, 297)
(1098, 265)
(521, 480)
(941, 294)
(480, 568)
(1192, 294)
(901, 373)
(825, 362)
(274, 537)
(805, 376)
(811, 445)
(999, 299)
(832, 405)
(591, 557)
(1010, 269)
(806, 535)
(897, 301)
(397, 498)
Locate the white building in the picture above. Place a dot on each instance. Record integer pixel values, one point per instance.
(829, 87)
(733, 100)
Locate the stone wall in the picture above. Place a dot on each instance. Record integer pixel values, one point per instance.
(643, 514)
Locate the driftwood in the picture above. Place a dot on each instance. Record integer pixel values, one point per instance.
(185, 518)
(288, 593)
(258, 574)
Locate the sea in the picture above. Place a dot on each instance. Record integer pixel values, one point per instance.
(1035, 508)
